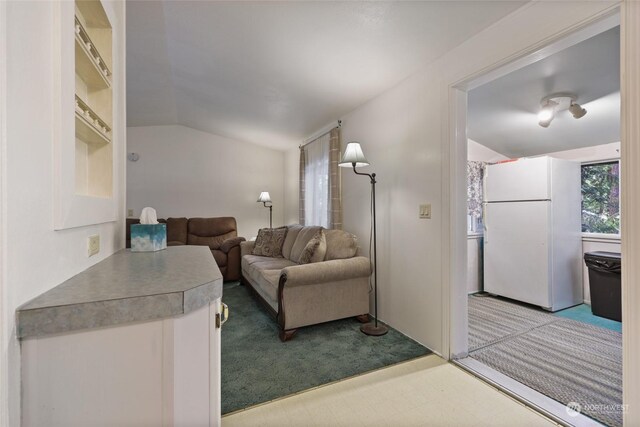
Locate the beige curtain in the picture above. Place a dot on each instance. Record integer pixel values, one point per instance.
(320, 187)
(301, 187)
(335, 185)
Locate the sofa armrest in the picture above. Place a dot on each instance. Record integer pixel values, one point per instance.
(326, 271)
(228, 244)
(246, 247)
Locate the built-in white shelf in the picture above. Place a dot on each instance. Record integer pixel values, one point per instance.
(89, 126)
(89, 63)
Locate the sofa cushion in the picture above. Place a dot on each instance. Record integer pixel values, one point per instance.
(315, 250)
(210, 231)
(305, 234)
(292, 234)
(340, 245)
(264, 272)
(269, 242)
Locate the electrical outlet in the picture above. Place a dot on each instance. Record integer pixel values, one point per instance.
(93, 246)
(129, 213)
(424, 211)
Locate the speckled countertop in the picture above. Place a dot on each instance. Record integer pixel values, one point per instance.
(126, 287)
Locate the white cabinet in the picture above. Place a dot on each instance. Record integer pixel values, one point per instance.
(157, 373)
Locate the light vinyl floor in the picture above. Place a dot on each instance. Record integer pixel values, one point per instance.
(423, 392)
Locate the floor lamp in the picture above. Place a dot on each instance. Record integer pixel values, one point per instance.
(354, 157)
(265, 198)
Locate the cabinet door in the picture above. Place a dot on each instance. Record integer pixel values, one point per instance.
(215, 366)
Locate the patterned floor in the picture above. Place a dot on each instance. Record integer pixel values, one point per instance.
(564, 359)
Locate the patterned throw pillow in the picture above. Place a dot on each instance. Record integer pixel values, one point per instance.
(269, 242)
(315, 249)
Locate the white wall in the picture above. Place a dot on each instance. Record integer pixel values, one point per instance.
(37, 257)
(186, 172)
(479, 153)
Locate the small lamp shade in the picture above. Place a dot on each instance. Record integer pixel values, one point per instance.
(353, 154)
(264, 197)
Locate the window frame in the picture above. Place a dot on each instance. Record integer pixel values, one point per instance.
(590, 234)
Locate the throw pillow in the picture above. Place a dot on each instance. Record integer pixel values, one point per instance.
(269, 242)
(315, 249)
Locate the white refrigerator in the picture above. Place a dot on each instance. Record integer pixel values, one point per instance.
(532, 232)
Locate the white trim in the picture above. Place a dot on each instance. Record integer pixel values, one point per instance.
(601, 237)
(630, 179)
(4, 338)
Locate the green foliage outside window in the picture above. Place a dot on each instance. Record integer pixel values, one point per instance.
(601, 198)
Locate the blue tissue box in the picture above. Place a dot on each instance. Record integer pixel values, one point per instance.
(148, 237)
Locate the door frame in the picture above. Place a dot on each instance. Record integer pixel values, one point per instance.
(455, 319)
(4, 338)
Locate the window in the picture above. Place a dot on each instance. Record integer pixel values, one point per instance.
(316, 180)
(601, 198)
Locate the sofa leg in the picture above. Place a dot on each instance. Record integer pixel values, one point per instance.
(287, 335)
(363, 318)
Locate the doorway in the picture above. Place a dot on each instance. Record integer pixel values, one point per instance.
(460, 95)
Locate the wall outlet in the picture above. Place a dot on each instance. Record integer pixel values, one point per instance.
(129, 213)
(93, 246)
(424, 211)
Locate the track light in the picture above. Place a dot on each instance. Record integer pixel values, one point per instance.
(576, 110)
(547, 113)
(552, 104)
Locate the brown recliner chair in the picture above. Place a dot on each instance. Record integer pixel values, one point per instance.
(219, 234)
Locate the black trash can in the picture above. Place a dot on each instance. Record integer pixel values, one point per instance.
(605, 284)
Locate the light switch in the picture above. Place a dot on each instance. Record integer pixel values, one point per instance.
(93, 246)
(425, 211)
(129, 213)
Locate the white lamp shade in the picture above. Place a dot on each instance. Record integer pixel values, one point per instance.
(353, 154)
(264, 197)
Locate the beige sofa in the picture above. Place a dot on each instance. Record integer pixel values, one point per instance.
(307, 294)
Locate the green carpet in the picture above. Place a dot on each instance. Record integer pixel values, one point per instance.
(582, 313)
(257, 367)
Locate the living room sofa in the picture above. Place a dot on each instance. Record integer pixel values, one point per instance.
(219, 234)
(299, 295)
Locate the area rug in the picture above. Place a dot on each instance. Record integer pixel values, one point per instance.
(493, 319)
(566, 360)
(257, 367)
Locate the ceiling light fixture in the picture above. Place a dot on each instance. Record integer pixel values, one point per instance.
(552, 104)
(547, 113)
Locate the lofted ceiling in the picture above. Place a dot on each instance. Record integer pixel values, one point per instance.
(273, 73)
(502, 114)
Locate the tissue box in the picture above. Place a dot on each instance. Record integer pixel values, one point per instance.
(148, 237)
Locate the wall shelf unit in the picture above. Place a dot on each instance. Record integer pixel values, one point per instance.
(89, 126)
(89, 63)
(90, 137)
(94, 100)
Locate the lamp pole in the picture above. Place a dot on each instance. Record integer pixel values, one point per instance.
(270, 213)
(369, 328)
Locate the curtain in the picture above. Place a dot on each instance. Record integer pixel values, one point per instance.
(335, 184)
(320, 186)
(475, 172)
(316, 182)
(301, 186)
